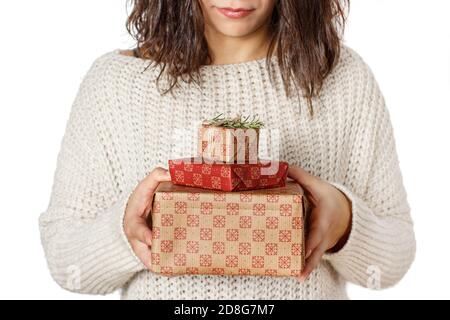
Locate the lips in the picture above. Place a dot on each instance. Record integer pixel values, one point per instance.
(233, 13)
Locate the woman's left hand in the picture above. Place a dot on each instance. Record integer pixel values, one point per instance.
(329, 223)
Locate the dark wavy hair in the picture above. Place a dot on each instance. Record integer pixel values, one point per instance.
(306, 38)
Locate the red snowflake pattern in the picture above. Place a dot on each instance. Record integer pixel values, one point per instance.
(297, 223)
(244, 272)
(180, 234)
(180, 207)
(246, 197)
(219, 221)
(192, 270)
(179, 176)
(286, 210)
(167, 246)
(255, 173)
(156, 259)
(259, 209)
(193, 196)
(168, 271)
(218, 271)
(245, 248)
(245, 222)
(156, 233)
(273, 198)
(271, 272)
(233, 209)
(180, 260)
(258, 262)
(271, 249)
(205, 260)
(284, 262)
(167, 195)
(193, 221)
(192, 247)
(225, 172)
(285, 236)
(272, 223)
(219, 247)
(232, 234)
(167, 220)
(216, 183)
(220, 197)
(259, 235)
(188, 167)
(232, 261)
(296, 249)
(206, 234)
(206, 169)
(156, 207)
(206, 208)
(197, 179)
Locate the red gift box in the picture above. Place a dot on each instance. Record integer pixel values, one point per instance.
(200, 173)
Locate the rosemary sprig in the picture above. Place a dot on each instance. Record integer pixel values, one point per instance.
(238, 122)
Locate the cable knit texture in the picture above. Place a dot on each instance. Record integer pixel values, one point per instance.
(121, 127)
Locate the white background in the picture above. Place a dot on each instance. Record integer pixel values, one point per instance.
(47, 46)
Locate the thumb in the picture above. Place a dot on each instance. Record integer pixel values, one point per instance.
(307, 180)
(157, 176)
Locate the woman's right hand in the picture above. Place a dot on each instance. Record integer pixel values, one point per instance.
(136, 214)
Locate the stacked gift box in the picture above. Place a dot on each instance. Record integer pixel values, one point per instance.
(227, 212)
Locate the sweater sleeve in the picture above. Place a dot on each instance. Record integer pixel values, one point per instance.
(82, 229)
(381, 246)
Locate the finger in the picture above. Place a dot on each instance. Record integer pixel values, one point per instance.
(144, 193)
(140, 231)
(143, 253)
(312, 262)
(155, 178)
(304, 178)
(315, 237)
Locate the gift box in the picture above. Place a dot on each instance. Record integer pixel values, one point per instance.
(250, 233)
(228, 144)
(201, 173)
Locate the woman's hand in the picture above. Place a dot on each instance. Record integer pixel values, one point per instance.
(330, 220)
(138, 209)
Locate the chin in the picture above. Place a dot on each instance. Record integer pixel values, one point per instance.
(235, 33)
(236, 30)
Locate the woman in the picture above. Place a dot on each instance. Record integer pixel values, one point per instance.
(194, 59)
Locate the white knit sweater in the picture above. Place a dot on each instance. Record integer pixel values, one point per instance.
(120, 128)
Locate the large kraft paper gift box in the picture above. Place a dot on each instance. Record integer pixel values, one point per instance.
(198, 231)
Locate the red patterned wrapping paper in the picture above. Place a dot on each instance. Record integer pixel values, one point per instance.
(254, 233)
(228, 145)
(196, 172)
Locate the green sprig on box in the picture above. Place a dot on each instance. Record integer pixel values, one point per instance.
(239, 122)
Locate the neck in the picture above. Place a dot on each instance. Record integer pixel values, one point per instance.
(224, 49)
